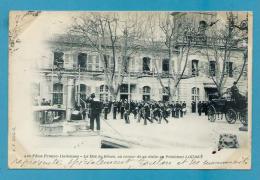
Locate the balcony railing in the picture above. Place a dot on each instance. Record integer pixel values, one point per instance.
(138, 74)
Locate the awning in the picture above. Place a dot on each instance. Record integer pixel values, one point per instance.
(209, 85)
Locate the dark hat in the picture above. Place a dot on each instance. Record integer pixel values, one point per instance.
(92, 95)
(234, 82)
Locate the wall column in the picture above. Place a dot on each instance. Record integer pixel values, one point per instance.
(70, 97)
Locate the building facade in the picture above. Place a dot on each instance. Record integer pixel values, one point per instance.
(72, 71)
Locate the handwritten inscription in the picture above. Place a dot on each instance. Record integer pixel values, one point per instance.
(124, 161)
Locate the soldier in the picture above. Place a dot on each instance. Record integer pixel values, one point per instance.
(126, 113)
(95, 110)
(181, 112)
(146, 111)
(193, 107)
(199, 108)
(178, 109)
(184, 108)
(122, 109)
(234, 91)
(105, 110)
(114, 109)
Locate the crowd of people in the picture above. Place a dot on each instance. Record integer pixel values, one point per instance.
(142, 111)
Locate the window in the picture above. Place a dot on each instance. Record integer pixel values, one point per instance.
(93, 63)
(202, 27)
(125, 63)
(195, 94)
(165, 65)
(82, 91)
(58, 59)
(165, 96)
(229, 69)
(124, 88)
(146, 64)
(108, 62)
(212, 68)
(82, 60)
(103, 93)
(58, 93)
(146, 93)
(195, 67)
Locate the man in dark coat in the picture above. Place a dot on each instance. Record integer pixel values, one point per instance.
(199, 108)
(193, 107)
(147, 114)
(234, 91)
(106, 109)
(95, 110)
(115, 106)
(184, 108)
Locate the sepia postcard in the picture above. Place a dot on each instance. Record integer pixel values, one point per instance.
(130, 89)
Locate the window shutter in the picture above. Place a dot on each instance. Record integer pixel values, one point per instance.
(201, 68)
(159, 65)
(74, 62)
(140, 64)
(189, 70)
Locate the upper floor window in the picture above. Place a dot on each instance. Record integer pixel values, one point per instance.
(82, 60)
(229, 69)
(93, 63)
(165, 65)
(146, 64)
(202, 27)
(124, 88)
(58, 59)
(212, 68)
(125, 63)
(195, 67)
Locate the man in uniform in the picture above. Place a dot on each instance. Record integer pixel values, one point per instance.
(199, 108)
(95, 110)
(234, 91)
(115, 104)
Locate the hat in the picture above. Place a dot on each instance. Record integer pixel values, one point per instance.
(92, 95)
(234, 82)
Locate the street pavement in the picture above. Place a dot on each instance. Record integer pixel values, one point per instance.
(191, 131)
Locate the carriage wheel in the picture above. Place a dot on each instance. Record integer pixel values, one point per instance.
(211, 114)
(243, 118)
(231, 116)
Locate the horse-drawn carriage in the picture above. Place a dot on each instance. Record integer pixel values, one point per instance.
(232, 108)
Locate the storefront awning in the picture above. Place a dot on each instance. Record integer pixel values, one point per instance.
(209, 85)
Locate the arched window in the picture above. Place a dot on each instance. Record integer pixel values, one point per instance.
(146, 93)
(58, 93)
(82, 60)
(165, 65)
(146, 64)
(195, 94)
(103, 92)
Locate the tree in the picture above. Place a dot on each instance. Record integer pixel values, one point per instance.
(109, 33)
(18, 21)
(219, 49)
(177, 36)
